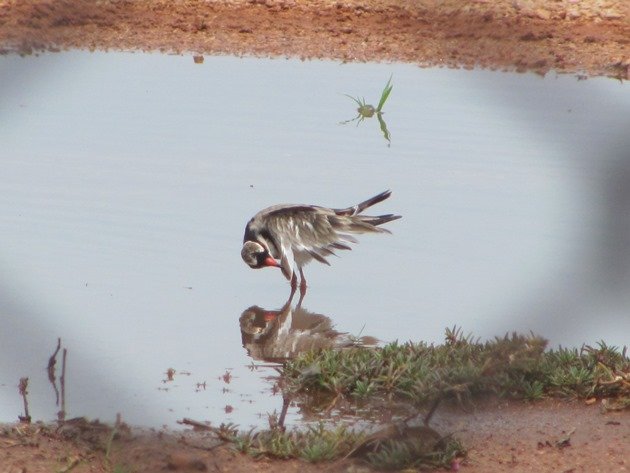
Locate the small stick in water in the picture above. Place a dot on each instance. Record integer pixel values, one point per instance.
(23, 386)
(61, 415)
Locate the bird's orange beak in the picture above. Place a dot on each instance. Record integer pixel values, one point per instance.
(269, 261)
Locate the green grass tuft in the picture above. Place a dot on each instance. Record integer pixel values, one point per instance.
(514, 366)
(314, 444)
(392, 448)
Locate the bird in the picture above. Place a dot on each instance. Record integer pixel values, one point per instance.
(289, 236)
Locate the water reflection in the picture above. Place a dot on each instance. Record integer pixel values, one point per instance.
(279, 335)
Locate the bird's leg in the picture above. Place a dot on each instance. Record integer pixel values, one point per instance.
(302, 283)
(293, 286)
(299, 303)
(287, 304)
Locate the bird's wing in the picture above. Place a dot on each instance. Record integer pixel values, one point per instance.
(314, 230)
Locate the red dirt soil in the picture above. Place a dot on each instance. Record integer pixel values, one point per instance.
(577, 36)
(502, 436)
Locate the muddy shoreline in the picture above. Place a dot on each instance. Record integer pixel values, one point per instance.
(573, 36)
(510, 436)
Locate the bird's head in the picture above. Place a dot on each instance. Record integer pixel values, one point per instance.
(257, 256)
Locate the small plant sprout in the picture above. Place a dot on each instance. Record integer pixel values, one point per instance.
(366, 110)
(384, 95)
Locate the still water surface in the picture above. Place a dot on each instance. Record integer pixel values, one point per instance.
(127, 180)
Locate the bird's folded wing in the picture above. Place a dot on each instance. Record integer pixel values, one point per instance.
(309, 229)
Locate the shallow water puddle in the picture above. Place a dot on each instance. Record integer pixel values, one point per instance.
(127, 180)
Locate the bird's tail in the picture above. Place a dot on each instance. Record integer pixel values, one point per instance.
(379, 220)
(364, 224)
(353, 222)
(357, 209)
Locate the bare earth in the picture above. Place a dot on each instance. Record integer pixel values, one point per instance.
(551, 436)
(576, 36)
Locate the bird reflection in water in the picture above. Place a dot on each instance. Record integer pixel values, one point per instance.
(275, 336)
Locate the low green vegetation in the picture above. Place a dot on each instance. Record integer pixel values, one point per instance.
(392, 448)
(514, 366)
(421, 375)
(412, 452)
(314, 444)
